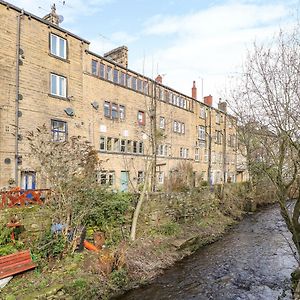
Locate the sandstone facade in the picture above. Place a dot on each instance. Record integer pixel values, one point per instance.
(62, 84)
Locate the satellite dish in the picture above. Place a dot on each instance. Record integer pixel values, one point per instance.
(95, 105)
(60, 19)
(69, 111)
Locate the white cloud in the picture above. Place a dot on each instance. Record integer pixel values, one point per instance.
(211, 44)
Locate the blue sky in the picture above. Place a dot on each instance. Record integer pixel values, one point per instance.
(185, 40)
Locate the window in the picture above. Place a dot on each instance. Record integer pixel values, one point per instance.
(58, 85)
(106, 177)
(179, 127)
(107, 109)
(122, 112)
(133, 83)
(114, 111)
(135, 147)
(201, 133)
(146, 87)
(162, 123)
(58, 46)
(197, 154)
(122, 78)
(59, 131)
(184, 152)
(128, 79)
(140, 177)
(141, 148)
(102, 70)
(202, 112)
(218, 137)
(139, 85)
(129, 146)
(123, 146)
(108, 73)
(116, 76)
(102, 143)
(160, 177)
(162, 150)
(109, 144)
(94, 67)
(116, 145)
(141, 118)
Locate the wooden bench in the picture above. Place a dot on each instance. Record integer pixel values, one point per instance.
(15, 263)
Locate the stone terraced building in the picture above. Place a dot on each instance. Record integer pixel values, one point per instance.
(49, 76)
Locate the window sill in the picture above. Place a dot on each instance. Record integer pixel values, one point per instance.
(60, 58)
(58, 97)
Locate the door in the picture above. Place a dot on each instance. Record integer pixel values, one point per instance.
(28, 180)
(124, 181)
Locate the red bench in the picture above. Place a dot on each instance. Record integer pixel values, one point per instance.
(15, 263)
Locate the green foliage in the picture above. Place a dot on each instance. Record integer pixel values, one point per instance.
(50, 245)
(7, 245)
(80, 283)
(168, 229)
(109, 208)
(119, 278)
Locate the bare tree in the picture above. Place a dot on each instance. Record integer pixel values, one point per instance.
(69, 167)
(267, 104)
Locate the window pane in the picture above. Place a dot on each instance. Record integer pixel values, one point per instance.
(107, 109)
(94, 67)
(62, 86)
(133, 83)
(128, 81)
(114, 111)
(53, 44)
(102, 70)
(122, 79)
(108, 73)
(122, 112)
(116, 76)
(62, 48)
(53, 84)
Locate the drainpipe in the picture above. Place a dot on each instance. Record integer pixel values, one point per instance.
(209, 152)
(17, 97)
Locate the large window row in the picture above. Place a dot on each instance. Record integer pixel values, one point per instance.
(120, 77)
(110, 144)
(137, 83)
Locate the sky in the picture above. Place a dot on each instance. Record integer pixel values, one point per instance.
(183, 40)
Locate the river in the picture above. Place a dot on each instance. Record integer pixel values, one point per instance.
(253, 261)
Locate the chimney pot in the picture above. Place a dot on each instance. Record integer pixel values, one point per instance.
(194, 90)
(158, 79)
(208, 100)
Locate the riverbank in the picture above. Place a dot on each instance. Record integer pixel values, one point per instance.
(170, 228)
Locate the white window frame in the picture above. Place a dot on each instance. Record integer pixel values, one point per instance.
(60, 84)
(160, 177)
(57, 50)
(162, 122)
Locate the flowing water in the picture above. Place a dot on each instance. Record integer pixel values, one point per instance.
(253, 261)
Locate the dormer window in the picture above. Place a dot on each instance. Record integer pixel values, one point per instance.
(58, 46)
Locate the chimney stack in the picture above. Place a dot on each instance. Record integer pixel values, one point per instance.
(194, 90)
(222, 105)
(208, 100)
(119, 55)
(53, 17)
(158, 79)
